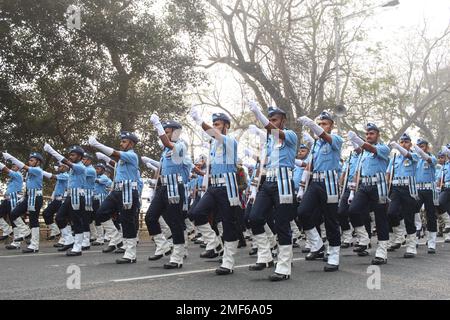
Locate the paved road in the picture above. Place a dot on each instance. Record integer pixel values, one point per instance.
(44, 276)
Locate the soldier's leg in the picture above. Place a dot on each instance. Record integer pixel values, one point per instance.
(308, 212)
(257, 217)
(110, 206)
(34, 224)
(201, 213)
(128, 221)
(344, 220)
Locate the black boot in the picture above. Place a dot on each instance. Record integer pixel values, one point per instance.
(316, 254)
(278, 277)
(73, 254)
(378, 261)
(28, 250)
(172, 265)
(159, 256)
(261, 266)
(65, 247)
(330, 268)
(221, 271)
(125, 261)
(253, 251)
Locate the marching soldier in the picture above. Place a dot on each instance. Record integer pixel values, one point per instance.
(442, 158)
(347, 185)
(170, 192)
(322, 195)
(425, 175)
(222, 195)
(276, 194)
(404, 191)
(9, 202)
(102, 187)
(89, 190)
(62, 180)
(370, 192)
(73, 206)
(32, 201)
(444, 197)
(125, 196)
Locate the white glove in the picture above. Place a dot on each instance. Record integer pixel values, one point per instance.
(438, 189)
(195, 114)
(305, 121)
(252, 129)
(151, 161)
(56, 168)
(354, 145)
(421, 153)
(150, 166)
(18, 163)
(395, 145)
(350, 197)
(254, 107)
(300, 194)
(154, 119)
(299, 162)
(445, 151)
(46, 174)
(308, 139)
(52, 152)
(101, 156)
(92, 141)
(248, 152)
(353, 137)
(1, 166)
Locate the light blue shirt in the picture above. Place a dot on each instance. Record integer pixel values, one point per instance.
(176, 161)
(404, 167)
(15, 184)
(77, 176)
(438, 174)
(353, 166)
(282, 153)
(34, 178)
(372, 163)
(102, 183)
(127, 169)
(446, 169)
(199, 181)
(224, 156)
(62, 181)
(327, 156)
(426, 172)
(297, 173)
(91, 175)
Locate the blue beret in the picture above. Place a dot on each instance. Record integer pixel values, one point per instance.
(440, 154)
(405, 137)
(274, 110)
(88, 155)
(129, 135)
(372, 126)
(100, 165)
(221, 116)
(36, 155)
(421, 141)
(326, 116)
(303, 146)
(76, 149)
(171, 124)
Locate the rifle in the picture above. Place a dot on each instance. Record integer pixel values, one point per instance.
(309, 167)
(205, 182)
(347, 171)
(391, 178)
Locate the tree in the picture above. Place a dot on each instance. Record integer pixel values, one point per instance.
(128, 59)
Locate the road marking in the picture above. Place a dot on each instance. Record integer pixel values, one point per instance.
(183, 273)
